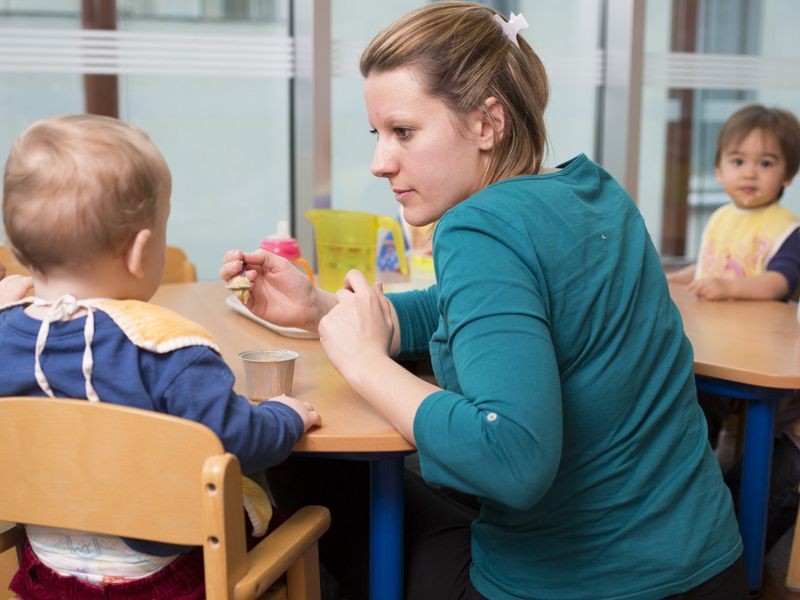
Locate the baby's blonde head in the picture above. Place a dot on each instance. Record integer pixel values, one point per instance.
(78, 187)
(464, 58)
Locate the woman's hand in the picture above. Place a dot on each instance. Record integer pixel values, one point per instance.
(359, 329)
(14, 287)
(280, 293)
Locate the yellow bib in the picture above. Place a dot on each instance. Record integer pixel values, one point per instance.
(739, 243)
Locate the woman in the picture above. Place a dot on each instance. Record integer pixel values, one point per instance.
(562, 450)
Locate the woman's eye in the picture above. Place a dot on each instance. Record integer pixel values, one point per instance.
(402, 132)
(373, 132)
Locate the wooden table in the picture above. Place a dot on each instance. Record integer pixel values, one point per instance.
(751, 351)
(350, 426)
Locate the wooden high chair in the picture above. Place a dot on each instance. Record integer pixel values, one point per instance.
(177, 266)
(129, 472)
(11, 264)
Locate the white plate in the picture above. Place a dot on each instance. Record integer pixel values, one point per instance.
(292, 332)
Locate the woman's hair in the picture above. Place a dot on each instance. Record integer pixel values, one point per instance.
(781, 124)
(80, 186)
(464, 57)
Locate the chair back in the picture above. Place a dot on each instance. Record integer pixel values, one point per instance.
(177, 267)
(122, 471)
(10, 262)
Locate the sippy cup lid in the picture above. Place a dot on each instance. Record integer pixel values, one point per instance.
(281, 243)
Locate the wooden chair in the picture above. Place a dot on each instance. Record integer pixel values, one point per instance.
(8, 561)
(12, 265)
(128, 472)
(177, 267)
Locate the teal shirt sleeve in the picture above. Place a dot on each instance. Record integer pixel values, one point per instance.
(496, 432)
(417, 318)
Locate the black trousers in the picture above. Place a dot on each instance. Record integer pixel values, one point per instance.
(437, 532)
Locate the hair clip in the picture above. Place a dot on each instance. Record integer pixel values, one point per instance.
(513, 26)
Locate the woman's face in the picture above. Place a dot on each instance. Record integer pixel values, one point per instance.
(431, 163)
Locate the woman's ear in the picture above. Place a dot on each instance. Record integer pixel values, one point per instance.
(134, 254)
(492, 123)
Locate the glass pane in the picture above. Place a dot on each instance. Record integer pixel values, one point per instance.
(704, 61)
(207, 81)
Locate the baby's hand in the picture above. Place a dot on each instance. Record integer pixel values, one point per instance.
(14, 287)
(712, 288)
(307, 412)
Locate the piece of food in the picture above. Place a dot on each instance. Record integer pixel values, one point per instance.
(240, 286)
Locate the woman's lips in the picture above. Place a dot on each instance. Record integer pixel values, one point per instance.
(401, 195)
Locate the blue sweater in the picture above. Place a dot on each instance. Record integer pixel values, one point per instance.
(569, 407)
(193, 383)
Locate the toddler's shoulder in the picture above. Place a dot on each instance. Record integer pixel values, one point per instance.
(154, 327)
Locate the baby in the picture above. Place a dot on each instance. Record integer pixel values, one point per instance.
(85, 207)
(750, 248)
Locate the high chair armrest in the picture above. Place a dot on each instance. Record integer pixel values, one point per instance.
(275, 554)
(10, 535)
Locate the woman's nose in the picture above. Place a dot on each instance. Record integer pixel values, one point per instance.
(382, 163)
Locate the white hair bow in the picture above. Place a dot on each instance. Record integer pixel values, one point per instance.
(513, 26)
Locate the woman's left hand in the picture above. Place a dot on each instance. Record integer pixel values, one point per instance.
(359, 328)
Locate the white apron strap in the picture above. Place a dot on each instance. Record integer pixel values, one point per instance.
(61, 310)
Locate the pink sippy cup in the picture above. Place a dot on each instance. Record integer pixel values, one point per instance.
(282, 244)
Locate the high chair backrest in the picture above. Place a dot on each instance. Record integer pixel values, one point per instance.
(177, 267)
(10, 262)
(122, 471)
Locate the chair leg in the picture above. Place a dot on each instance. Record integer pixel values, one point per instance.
(793, 572)
(302, 578)
(8, 567)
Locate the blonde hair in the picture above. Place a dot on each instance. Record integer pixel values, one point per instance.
(464, 58)
(79, 186)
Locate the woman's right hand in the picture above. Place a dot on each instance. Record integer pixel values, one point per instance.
(280, 293)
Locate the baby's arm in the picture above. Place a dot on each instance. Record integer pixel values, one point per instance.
(767, 286)
(684, 275)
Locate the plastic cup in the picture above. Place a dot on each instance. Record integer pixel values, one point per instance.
(268, 373)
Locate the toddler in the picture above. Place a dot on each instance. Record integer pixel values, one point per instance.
(85, 207)
(750, 248)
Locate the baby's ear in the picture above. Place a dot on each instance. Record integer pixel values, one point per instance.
(134, 253)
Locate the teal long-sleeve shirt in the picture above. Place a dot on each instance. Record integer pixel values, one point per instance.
(568, 405)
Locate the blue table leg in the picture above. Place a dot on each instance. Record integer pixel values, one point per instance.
(386, 528)
(762, 406)
(754, 492)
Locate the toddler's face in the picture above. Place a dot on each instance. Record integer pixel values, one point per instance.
(753, 172)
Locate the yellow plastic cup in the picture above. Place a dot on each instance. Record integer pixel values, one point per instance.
(347, 239)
